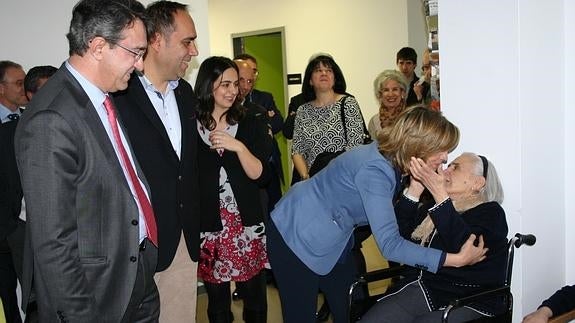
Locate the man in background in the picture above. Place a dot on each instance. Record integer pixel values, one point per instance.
(406, 61)
(91, 237)
(12, 207)
(36, 77)
(12, 98)
(158, 110)
(275, 120)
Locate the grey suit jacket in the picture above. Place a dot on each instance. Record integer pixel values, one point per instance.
(82, 220)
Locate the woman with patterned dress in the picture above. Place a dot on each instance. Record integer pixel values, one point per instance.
(318, 126)
(232, 149)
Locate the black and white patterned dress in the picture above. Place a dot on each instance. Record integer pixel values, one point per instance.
(319, 129)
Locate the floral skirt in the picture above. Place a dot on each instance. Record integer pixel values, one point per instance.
(236, 253)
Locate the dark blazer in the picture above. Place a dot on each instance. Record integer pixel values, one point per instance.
(452, 230)
(81, 217)
(253, 133)
(294, 103)
(10, 187)
(411, 96)
(173, 180)
(562, 301)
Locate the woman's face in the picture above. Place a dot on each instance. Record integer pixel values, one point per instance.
(391, 94)
(226, 89)
(322, 77)
(436, 160)
(460, 179)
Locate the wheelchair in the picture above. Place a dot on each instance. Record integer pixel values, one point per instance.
(357, 307)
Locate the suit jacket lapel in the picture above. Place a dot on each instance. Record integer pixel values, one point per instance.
(87, 112)
(138, 94)
(187, 108)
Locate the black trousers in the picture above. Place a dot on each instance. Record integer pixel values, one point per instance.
(144, 305)
(8, 283)
(298, 285)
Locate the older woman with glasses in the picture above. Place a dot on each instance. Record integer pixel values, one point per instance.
(467, 201)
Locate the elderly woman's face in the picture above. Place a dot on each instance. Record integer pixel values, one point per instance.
(460, 179)
(391, 94)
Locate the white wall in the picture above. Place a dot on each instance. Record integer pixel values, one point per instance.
(34, 31)
(569, 121)
(362, 36)
(505, 67)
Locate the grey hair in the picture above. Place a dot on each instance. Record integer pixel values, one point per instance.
(101, 18)
(4, 65)
(385, 76)
(492, 191)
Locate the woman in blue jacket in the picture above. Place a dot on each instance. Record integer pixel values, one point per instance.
(309, 235)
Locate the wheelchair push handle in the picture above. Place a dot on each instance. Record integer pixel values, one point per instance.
(527, 239)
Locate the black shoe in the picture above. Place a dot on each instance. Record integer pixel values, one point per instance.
(236, 295)
(323, 314)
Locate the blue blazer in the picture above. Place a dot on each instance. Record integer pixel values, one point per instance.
(316, 217)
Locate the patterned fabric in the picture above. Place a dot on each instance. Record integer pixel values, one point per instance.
(236, 253)
(319, 129)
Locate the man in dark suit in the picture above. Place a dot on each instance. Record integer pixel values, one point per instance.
(406, 61)
(91, 238)
(158, 110)
(12, 210)
(250, 95)
(11, 99)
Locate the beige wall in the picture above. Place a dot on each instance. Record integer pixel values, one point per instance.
(363, 36)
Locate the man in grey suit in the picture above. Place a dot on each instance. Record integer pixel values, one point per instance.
(91, 237)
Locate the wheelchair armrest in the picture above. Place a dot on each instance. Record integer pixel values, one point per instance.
(385, 273)
(504, 290)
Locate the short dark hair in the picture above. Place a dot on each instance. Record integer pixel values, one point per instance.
(246, 57)
(339, 80)
(35, 74)
(101, 18)
(406, 54)
(211, 71)
(160, 17)
(4, 65)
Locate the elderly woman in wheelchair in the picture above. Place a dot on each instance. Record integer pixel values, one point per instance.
(466, 200)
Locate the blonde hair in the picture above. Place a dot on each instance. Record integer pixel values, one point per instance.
(417, 132)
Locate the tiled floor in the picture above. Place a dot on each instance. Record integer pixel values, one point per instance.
(374, 260)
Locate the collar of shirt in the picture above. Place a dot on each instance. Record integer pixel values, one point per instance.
(150, 87)
(94, 93)
(4, 112)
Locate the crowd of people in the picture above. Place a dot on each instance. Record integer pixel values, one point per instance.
(121, 185)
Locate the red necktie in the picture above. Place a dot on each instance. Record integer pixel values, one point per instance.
(142, 198)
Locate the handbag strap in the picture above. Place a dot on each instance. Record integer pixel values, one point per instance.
(342, 111)
(366, 137)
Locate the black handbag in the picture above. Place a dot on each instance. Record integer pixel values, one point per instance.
(325, 157)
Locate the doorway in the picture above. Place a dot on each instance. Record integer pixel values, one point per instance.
(268, 47)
